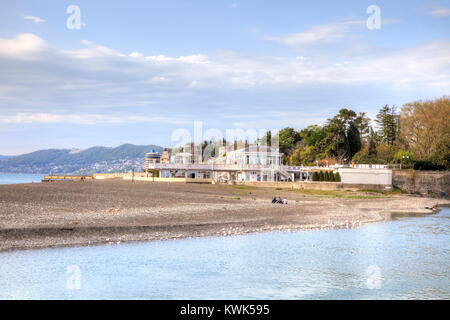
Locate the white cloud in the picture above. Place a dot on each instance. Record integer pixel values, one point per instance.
(24, 45)
(92, 51)
(36, 20)
(439, 12)
(318, 35)
(136, 55)
(22, 117)
(104, 66)
(44, 84)
(196, 58)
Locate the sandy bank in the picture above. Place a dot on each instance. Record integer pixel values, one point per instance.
(82, 213)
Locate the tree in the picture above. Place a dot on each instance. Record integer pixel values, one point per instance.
(331, 176)
(296, 158)
(394, 125)
(388, 124)
(362, 122)
(365, 156)
(321, 176)
(372, 145)
(287, 138)
(442, 154)
(266, 140)
(337, 178)
(343, 138)
(315, 176)
(425, 128)
(385, 152)
(406, 157)
(354, 139)
(312, 135)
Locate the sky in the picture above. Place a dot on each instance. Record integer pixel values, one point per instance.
(136, 71)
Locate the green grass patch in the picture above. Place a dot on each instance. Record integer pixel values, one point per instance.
(337, 194)
(231, 198)
(242, 187)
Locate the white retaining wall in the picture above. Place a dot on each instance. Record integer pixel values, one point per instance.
(366, 176)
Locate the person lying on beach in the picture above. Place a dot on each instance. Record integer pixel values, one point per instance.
(279, 200)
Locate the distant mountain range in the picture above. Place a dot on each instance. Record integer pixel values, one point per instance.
(95, 159)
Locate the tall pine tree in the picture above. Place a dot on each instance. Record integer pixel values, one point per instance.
(388, 124)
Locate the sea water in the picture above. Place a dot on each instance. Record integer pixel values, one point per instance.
(14, 178)
(407, 258)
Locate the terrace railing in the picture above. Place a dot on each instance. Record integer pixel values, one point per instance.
(225, 167)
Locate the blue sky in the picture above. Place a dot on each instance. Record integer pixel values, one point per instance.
(137, 70)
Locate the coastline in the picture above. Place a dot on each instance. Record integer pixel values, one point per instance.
(114, 211)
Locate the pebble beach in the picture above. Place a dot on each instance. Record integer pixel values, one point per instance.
(112, 211)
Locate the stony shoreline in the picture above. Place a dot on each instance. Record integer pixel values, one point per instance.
(115, 211)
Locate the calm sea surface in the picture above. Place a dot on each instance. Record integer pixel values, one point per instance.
(408, 258)
(13, 178)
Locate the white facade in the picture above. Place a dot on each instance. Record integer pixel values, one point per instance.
(366, 176)
(256, 155)
(266, 159)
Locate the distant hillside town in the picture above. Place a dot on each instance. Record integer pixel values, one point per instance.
(97, 159)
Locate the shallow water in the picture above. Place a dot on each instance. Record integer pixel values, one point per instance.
(408, 258)
(14, 178)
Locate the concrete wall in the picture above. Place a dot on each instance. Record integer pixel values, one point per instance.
(158, 179)
(309, 185)
(366, 176)
(421, 181)
(101, 176)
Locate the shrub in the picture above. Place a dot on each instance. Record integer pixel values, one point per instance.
(385, 152)
(404, 157)
(427, 165)
(315, 176)
(332, 177)
(321, 176)
(337, 177)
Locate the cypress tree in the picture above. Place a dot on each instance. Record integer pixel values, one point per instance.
(332, 177)
(354, 139)
(337, 178)
(321, 176)
(388, 124)
(315, 176)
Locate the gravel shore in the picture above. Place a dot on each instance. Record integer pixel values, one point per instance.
(92, 212)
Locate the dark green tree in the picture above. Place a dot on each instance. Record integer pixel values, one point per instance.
(387, 121)
(354, 139)
(337, 177)
(315, 176)
(312, 135)
(287, 138)
(332, 177)
(266, 139)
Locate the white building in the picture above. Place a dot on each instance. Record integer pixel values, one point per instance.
(152, 157)
(261, 163)
(265, 162)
